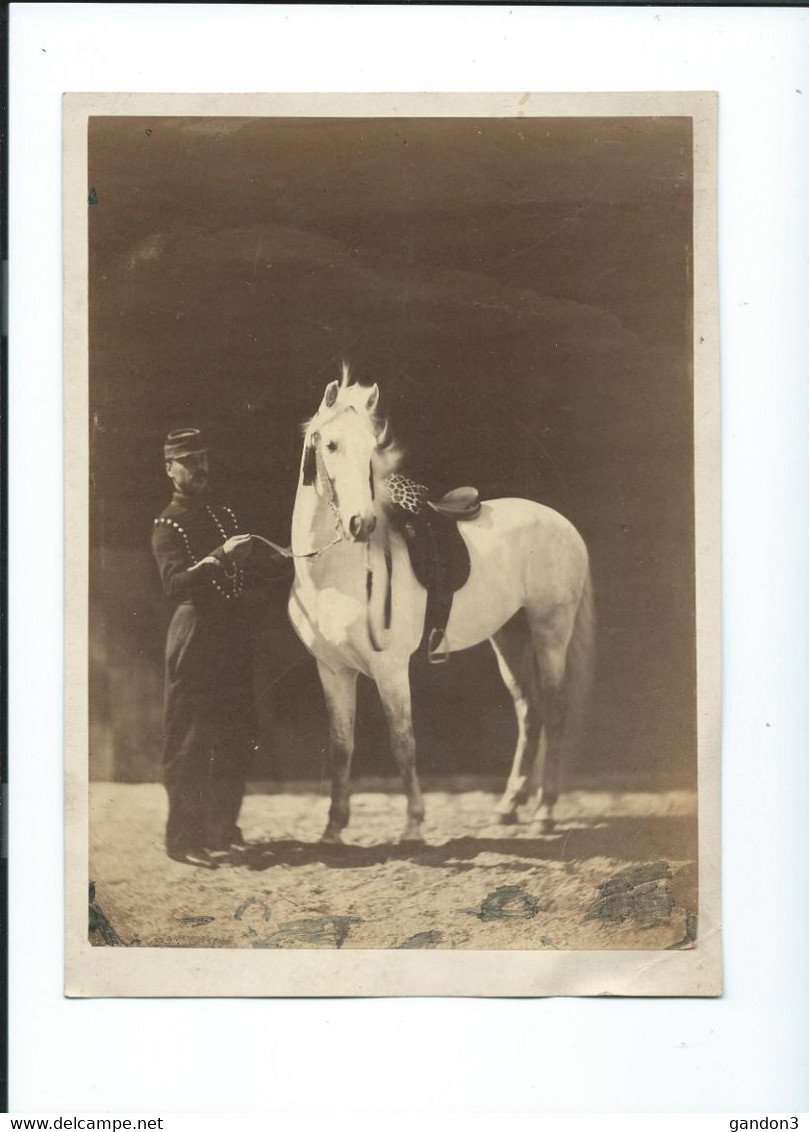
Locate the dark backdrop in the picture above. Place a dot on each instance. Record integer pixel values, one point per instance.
(520, 289)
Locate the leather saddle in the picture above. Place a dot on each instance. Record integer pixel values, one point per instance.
(438, 553)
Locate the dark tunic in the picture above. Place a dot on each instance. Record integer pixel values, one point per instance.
(210, 724)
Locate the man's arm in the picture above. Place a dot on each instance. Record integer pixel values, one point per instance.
(178, 579)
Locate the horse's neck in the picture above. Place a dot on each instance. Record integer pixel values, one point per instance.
(343, 563)
(312, 520)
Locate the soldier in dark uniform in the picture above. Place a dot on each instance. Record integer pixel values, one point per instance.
(210, 718)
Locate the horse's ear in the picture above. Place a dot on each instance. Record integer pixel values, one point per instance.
(373, 397)
(309, 474)
(330, 396)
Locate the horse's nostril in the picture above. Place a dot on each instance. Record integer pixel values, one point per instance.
(355, 525)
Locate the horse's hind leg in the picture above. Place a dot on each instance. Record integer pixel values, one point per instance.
(551, 639)
(340, 689)
(394, 691)
(513, 647)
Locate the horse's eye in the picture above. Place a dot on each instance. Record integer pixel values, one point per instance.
(331, 446)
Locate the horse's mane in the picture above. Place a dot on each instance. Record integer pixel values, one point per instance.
(388, 454)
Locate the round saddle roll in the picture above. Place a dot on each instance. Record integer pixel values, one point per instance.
(461, 502)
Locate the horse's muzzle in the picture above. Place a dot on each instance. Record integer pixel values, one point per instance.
(360, 529)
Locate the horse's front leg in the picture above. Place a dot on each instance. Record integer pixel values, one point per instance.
(394, 691)
(340, 689)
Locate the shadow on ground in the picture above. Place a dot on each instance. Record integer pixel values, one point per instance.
(621, 838)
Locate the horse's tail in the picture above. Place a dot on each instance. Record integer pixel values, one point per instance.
(580, 666)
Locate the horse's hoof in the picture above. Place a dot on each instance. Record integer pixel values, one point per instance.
(412, 837)
(509, 818)
(332, 837)
(548, 825)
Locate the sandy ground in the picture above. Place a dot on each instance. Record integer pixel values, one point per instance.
(618, 872)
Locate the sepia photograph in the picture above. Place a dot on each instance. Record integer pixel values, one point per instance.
(395, 580)
(406, 617)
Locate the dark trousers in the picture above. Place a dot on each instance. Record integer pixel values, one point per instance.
(210, 726)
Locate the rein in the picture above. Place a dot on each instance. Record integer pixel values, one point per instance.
(288, 552)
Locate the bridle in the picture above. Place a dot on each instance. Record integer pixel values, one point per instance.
(322, 475)
(331, 499)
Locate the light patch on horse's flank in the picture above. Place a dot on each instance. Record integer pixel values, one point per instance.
(337, 613)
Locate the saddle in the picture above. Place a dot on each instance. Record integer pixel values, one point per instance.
(438, 553)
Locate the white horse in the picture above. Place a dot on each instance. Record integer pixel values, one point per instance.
(528, 593)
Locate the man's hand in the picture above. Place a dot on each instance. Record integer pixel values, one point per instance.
(238, 548)
(207, 562)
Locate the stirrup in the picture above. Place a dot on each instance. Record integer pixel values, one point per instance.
(437, 640)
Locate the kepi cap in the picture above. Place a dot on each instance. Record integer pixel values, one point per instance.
(184, 442)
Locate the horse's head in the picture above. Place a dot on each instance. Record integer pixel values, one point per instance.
(341, 448)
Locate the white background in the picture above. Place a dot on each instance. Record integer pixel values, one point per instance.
(743, 1053)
